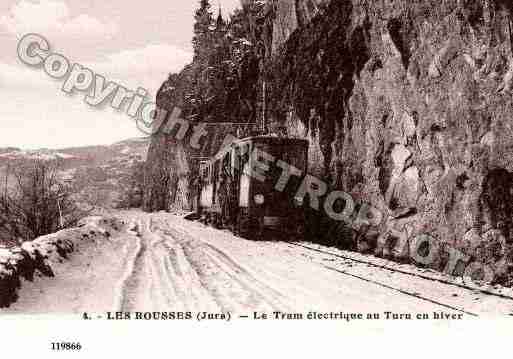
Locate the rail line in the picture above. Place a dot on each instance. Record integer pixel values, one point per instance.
(415, 295)
(439, 280)
(395, 270)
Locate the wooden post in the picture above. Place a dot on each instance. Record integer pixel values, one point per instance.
(61, 221)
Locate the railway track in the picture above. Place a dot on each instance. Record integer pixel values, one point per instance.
(415, 295)
(403, 272)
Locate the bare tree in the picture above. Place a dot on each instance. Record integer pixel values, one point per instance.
(38, 203)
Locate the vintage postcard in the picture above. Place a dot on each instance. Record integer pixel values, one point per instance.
(225, 174)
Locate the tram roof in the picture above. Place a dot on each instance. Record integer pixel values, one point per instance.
(273, 140)
(261, 139)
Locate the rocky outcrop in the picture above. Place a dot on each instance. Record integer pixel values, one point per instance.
(408, 107)
(171, 169)
(409, 104)
(289, 15)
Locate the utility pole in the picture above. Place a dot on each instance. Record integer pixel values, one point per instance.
(61, 221)
(264, 107)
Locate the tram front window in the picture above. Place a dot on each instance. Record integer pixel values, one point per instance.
(280, 202)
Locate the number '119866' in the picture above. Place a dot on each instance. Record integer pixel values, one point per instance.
(66, 346)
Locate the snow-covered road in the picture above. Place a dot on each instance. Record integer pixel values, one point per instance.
(169, 264)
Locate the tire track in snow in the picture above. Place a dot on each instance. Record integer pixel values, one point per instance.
(265, 271)
(243, 276)
(126, 282)
(155, 280)
(187, 280)
(162, 285)
(141, 280)
(216, 269)
(238, 268)
(229, 295)
(179, 274)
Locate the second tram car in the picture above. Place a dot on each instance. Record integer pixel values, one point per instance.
(235, 192)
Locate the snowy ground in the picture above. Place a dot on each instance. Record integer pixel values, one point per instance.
(170, 264)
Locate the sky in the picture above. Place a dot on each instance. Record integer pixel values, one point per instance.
(134, 43)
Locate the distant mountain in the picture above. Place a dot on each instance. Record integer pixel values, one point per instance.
(47, 155)
(98, 173)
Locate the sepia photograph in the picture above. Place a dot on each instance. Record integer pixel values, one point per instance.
(260, 170)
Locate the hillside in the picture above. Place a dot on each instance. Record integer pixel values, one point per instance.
(98, 173)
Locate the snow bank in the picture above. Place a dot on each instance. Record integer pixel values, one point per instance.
(39, 255)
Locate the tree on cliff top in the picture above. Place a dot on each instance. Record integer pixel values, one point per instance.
(203, 26)
(220, 85)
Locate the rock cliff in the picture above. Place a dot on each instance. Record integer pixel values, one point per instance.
(408, 106)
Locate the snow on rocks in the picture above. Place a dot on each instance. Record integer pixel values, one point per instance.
(37, 256)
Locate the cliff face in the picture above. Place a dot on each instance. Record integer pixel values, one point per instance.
(172, 165)
(407, 105)
(166, 165)
(289, 15)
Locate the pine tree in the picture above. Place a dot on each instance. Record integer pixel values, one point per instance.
(202, 30)
(220, 23)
